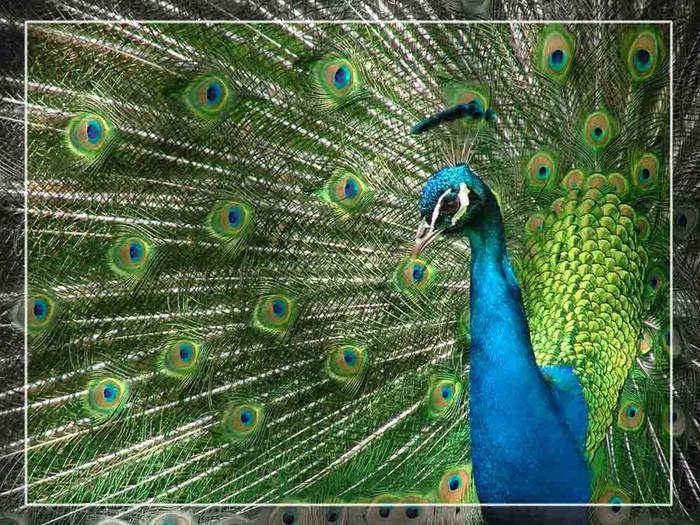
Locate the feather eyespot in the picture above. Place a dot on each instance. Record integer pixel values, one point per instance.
(340, 77)
(129, 257)
(442, 397)
(656, 280)
(41, 311)
(630, 416)
(643, 55)
(382, 509)
(347, 362)
(556, 50)
(616, 512)
(288, 515)
(541, 170)
(414, 275)
(243, 421)
(336, 80)
(230, 220)
(106, 396)
(275, 313)
(599, 129)
(89, 135)
(347, 191)
(182, 357)
(336, 515)
(454, 485)
(209, 96)
(646, 172)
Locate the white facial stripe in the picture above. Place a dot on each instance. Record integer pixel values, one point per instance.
(463, 202)
(436, 210)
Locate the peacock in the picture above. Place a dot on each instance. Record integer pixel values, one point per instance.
(228, 302)
(246, 308)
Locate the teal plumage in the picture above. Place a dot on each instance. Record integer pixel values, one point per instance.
(297, 287)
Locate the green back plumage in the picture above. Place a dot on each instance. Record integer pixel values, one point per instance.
(220, 226)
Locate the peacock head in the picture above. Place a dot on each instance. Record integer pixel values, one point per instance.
(453, 200)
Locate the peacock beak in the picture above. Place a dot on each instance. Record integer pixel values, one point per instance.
(425, 235)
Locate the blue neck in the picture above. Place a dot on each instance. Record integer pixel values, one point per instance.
(522, 449)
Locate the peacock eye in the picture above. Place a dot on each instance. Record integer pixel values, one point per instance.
(450, 204)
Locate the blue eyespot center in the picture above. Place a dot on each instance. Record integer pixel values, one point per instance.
(446, 392)
(454, 482)
(682, 220)
(109, 392)
(186, 351)
(288, 518)
(645, 174)
(350, 189)
(40, 308)
(234, 216)
(642, 60)
(342, 77)
(615, 501)
(349, 357)
(384, 512)
(411, 512)
(557, 59)
(94, 131)
(597, 132)
(542, 172)
(558, 56)
(331, 516)
(418, 273)
(135, 251)
(213, 93)
(643, 56)
(654, 282)
(631, 412)
(246, 417)
(278, 307)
